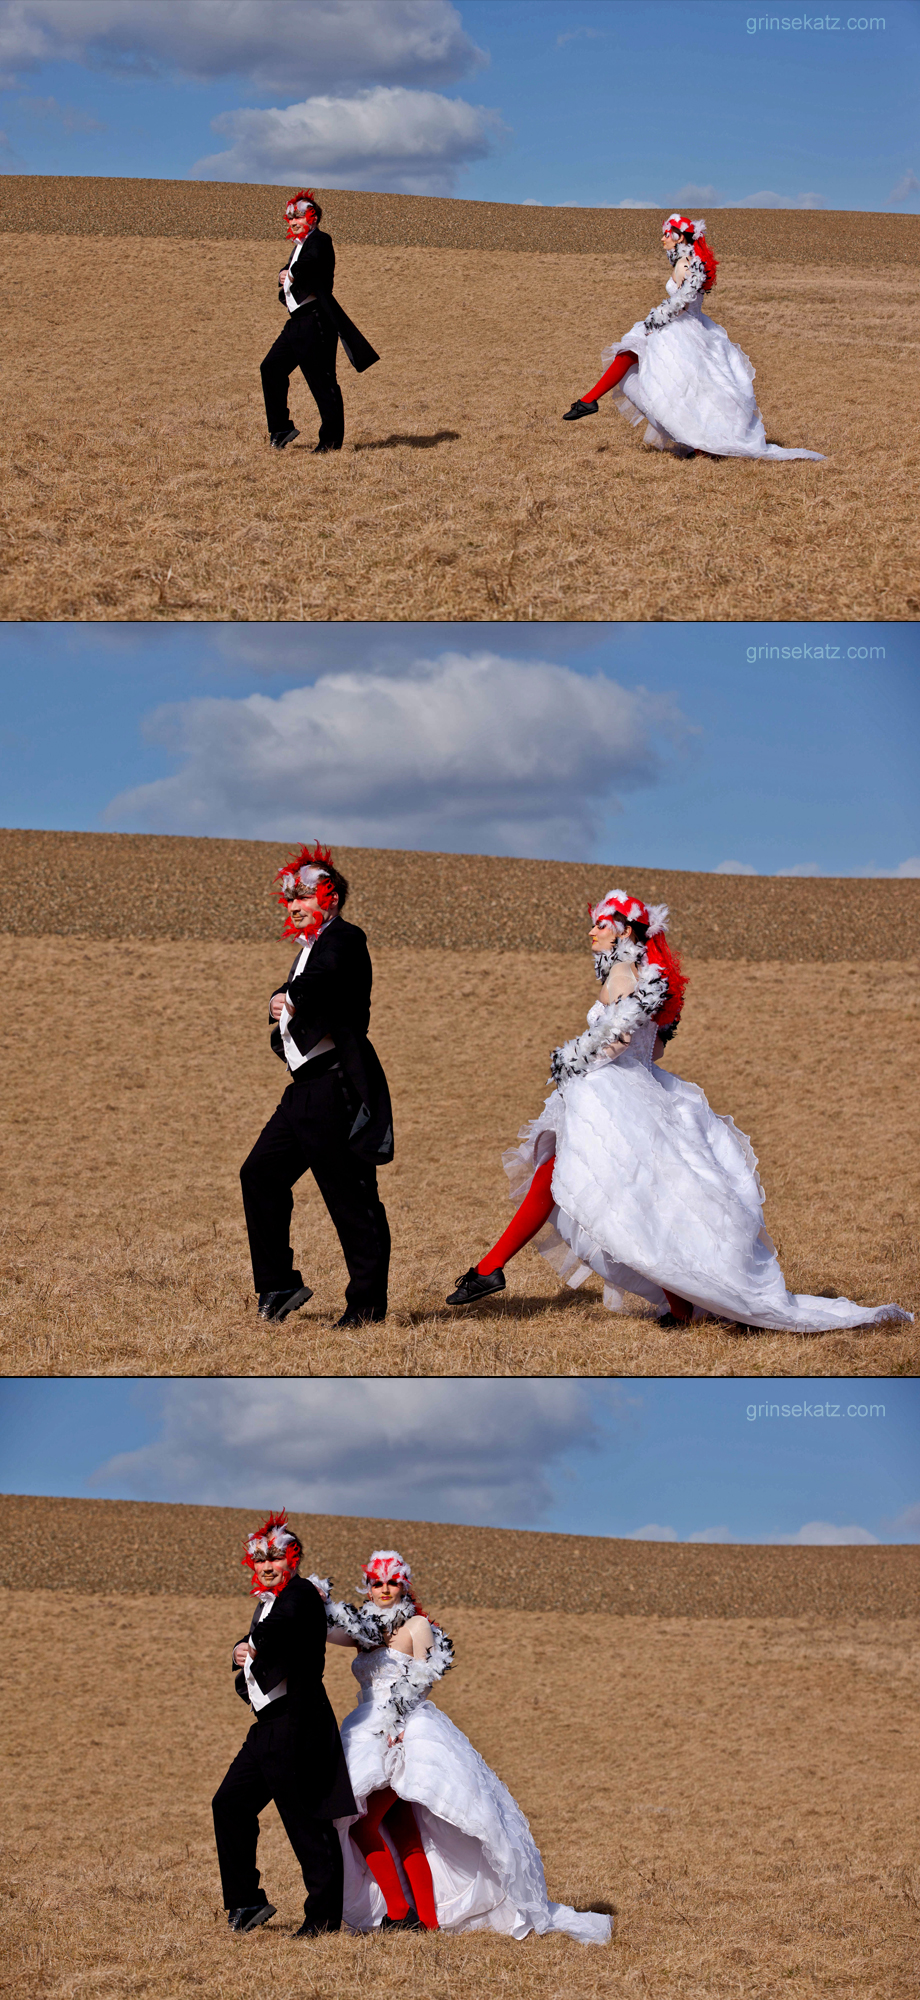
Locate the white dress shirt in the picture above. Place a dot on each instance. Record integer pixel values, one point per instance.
(295, 1058)
(293, 305)
(257, 1695)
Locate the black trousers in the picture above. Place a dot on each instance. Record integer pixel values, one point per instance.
(308, 344)
(263, 1770)
(309, 1134)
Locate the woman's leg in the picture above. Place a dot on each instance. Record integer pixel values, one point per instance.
(535, 1209)
(619, 366)
(679, 1309)
(402, 1825)
(369, 1841)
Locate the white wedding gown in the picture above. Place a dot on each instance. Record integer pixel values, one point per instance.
(486, 1870)
(693, 388)
(655, 1190)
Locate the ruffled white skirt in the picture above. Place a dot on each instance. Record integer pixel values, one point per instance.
(693, 388)
(656, 1191)
(486, 1870)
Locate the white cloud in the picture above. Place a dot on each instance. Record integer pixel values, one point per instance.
(466, 1450)
(712, 1535)
(628, 203)
(907, 185)
(692, 192)
(803, 868)
(734, 868)
(907, 871)
(408, 141)
(910, 1517)
(474, 753)
(824, 1535)
(67, 115)
(282, 47)
(767, 199)
(652, 1533)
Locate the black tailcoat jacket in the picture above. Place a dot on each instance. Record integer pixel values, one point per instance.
(333, 997)
(314, 272)
(290, 1645)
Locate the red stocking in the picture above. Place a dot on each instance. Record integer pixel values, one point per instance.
(403, 1829)
(536, 1206)
(369, 1840)
(619, 366)
(681, 1308)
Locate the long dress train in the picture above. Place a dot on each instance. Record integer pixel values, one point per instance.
(692, 387)
(486, 1870)
(654, 1190)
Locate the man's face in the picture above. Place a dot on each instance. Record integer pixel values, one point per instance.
(269, 1570)
(308, 910)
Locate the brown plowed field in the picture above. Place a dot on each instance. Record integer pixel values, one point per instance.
(739, 1791)
(138, 482)
(148, 1544)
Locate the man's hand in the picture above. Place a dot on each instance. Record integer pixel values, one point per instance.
(278, 1003)
(242, 1653)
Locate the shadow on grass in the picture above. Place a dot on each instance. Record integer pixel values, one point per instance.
(417, 443)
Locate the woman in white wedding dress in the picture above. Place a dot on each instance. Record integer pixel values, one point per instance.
(628, 1173)
(440, 1843)
(678, 371)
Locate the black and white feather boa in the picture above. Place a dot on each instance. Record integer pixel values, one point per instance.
(414, 1680)
(671, 308)
(371, 1627)
(588, 1051)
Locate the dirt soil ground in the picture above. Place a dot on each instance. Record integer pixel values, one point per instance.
(123, 1248)
(138, 482)
(740, 1793)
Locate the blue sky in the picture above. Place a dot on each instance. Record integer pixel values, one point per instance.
(653, 745)
(658, 1460)
(599, 102)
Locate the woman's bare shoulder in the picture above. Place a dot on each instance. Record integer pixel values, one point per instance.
(620, 979)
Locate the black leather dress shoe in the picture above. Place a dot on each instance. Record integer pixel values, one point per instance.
(277, 1305)
(579, 409)
(250, 1917)
(410, 1922)
(319, 449)
(669, 1320)
(279, 439)
(474, 1286)
(308, 1930)
(353, 1318)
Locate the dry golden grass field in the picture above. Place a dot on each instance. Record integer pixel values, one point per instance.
(138, 482)
(123, 1248)
(740, 1791)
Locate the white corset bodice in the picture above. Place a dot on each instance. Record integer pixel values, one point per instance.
(642, 1039)
(378, 1672)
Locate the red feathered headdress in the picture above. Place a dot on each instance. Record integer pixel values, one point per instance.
(300, 214)
(274, 1538)
(682, 226)
(306, 874)
(619, 907)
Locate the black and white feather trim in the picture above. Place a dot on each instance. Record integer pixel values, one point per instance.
(671, 308)
(416, 1678)
(588, 1051)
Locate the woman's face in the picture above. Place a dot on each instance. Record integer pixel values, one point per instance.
(669, 239)
(386, 1594)
(603, 936)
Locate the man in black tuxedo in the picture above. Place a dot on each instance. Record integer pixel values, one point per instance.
(335, 1118)
(293, 1752)
(315, 326)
